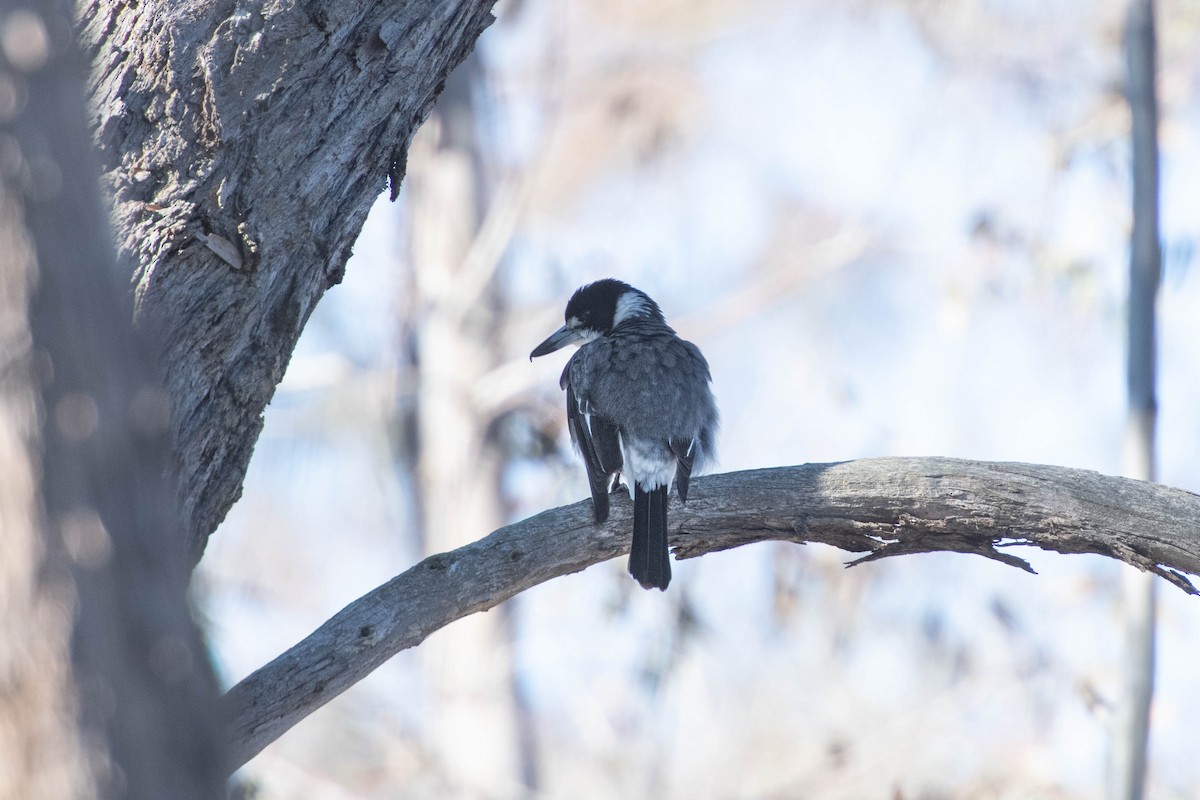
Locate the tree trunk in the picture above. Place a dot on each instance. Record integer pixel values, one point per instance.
(104, 674)
(1131, 731)
(243, 147)
(42, 753)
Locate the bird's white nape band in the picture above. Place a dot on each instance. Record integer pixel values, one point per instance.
(631, 304)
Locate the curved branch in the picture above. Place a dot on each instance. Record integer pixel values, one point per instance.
(882, 506)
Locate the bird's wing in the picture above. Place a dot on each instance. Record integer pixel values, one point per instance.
(594, 434)
(597, 439)
(685, 452)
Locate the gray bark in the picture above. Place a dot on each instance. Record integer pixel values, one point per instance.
(243, 145)
(883, 507)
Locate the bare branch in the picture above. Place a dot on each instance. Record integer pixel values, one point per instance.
(885, 506)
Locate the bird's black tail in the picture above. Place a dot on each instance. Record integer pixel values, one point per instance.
(649, 561)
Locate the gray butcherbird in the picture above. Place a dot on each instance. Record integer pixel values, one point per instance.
(638, 402)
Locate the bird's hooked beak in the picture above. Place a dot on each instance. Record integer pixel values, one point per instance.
(557, 341)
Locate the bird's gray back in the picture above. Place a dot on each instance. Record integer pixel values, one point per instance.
(654, 384)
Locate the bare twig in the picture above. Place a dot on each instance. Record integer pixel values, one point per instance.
(885, 506)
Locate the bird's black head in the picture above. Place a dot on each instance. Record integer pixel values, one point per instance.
(595, 307)
(595, 310)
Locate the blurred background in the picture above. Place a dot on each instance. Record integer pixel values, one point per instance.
(895, 227)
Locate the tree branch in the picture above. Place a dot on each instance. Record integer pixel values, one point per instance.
(884, 506)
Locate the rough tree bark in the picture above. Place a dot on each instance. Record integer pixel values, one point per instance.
(884, 507)
(243, 145)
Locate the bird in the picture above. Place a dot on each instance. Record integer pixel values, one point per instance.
(639, 404)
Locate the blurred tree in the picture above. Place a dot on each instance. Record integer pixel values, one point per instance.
(455, 310)
(105, 685)
(1128, 762)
